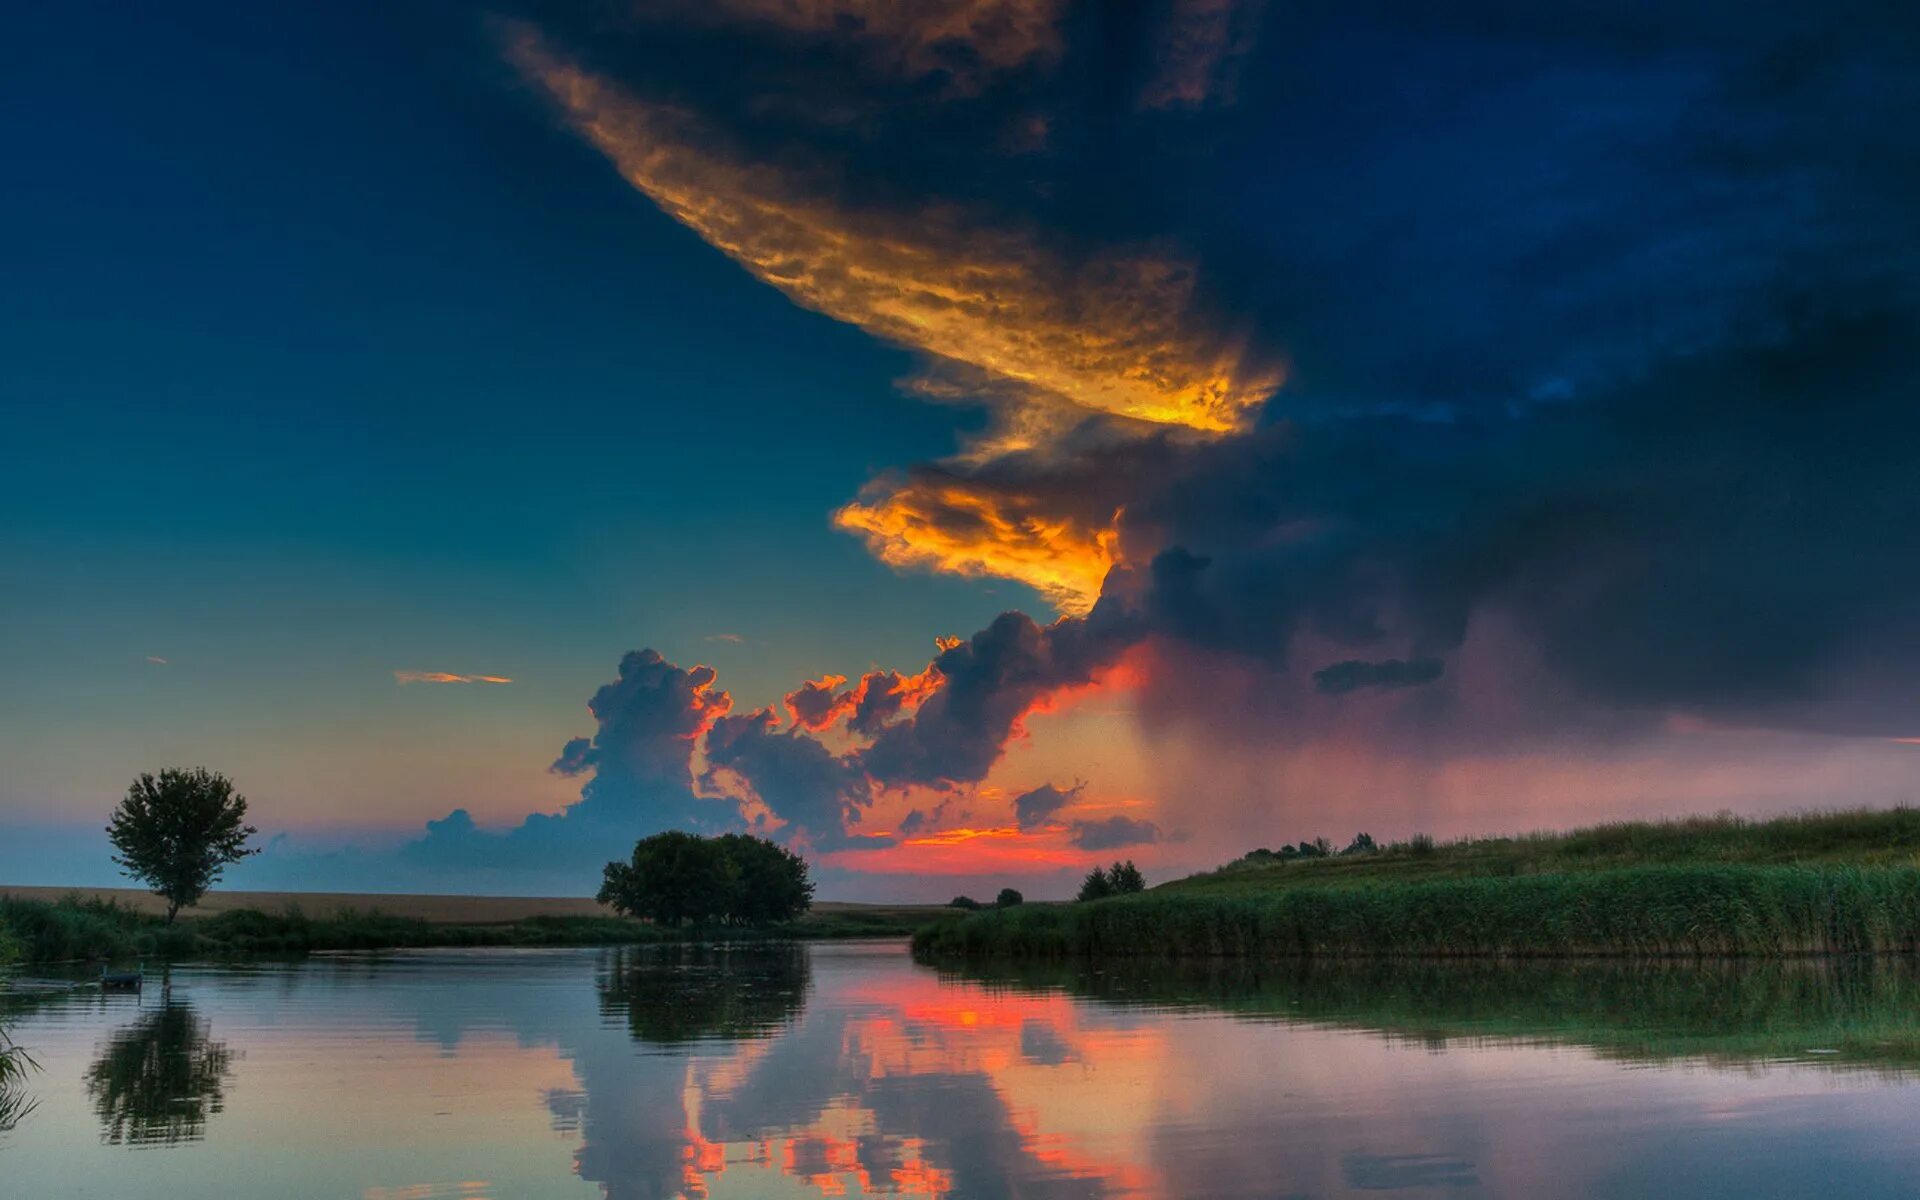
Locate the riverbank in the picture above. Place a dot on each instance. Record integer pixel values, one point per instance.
(1834, 883)
(112, 925)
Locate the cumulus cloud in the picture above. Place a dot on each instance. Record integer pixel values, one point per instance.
(638, 765)
(1111, 833)
(814, 794)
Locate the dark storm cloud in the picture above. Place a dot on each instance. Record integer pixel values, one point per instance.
(1598, 325)
(1110, 833)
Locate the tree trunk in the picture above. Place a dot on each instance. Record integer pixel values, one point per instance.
(173, 908)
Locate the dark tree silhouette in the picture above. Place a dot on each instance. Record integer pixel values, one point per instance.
(178, 832)
(676, 877)
(159, 1079)
(1098, 885)
(1126, 879)
(1007, 898)
(769, 882)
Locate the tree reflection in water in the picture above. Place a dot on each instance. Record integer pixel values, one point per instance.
(160, 1078)
(669, 995)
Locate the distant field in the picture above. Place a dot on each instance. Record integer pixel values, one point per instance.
(438, 910)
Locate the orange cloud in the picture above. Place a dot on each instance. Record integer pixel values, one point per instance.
(945, 525)
(406, 677)
(1111, 332)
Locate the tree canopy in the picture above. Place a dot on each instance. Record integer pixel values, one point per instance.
(178, 832)
(677, 878)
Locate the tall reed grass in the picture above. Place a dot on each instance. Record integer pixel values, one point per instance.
(1657, 911)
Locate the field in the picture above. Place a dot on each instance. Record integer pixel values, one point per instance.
(1821, 883)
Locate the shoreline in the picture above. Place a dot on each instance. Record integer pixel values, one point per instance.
(70, 925)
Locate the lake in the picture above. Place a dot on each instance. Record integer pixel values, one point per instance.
(849, 1070)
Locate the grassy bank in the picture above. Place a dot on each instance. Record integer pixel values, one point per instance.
(1823, 884)
(78, 929)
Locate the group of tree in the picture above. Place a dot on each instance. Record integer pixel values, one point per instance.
(1121, 879)
(677, 878)
(1007, 898)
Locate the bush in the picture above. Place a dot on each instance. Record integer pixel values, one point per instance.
(1421, 845)
(1007, 898)
(966, 902)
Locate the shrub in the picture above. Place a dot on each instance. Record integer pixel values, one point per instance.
(1007, 898)
(966, 902)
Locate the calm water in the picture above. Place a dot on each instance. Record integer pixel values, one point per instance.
(850, 1071)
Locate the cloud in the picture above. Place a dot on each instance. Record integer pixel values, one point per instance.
(157, 661)
(1353, 674)
(638, 765)
(1598, 335)
(732, 638)
(406, 677)
(1115, 330)
(1110, 833)
(816, 705)
(1037, 807)
(813, 793)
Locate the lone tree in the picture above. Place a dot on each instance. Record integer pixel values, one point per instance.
(675, 878)
(1008, 897)
(178, 832)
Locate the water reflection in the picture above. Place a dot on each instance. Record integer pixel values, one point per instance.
(852, 1071)
(673, 994)
(1840, 1013)
(160, 1078)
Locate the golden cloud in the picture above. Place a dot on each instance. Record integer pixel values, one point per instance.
(949, 525)
(405, 677)
(1111, 332)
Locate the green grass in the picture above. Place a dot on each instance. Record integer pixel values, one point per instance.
(1815, 884)
(95, 930)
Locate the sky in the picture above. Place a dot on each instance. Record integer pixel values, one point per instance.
(965, 441)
